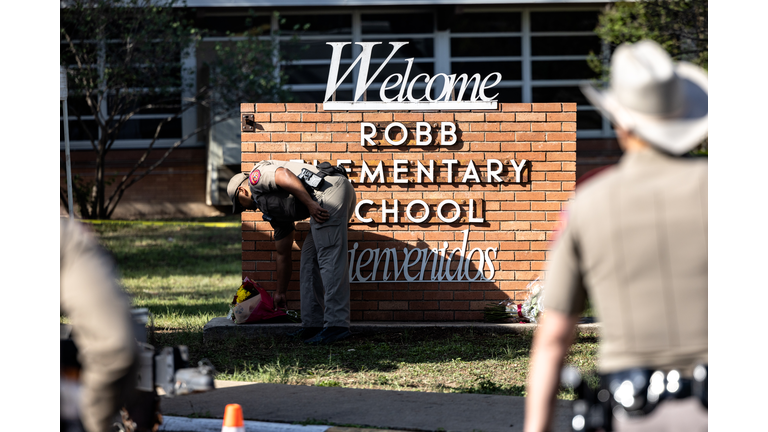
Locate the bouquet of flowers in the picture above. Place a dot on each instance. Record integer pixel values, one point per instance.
(504, 311)
(533, 305)
(245, 301)
(252, 303)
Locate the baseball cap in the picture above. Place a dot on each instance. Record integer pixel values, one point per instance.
(234, 183)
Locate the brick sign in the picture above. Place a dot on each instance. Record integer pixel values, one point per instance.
(455, 208)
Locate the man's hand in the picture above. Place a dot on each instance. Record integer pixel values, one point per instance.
(280, 302)
(288, 181)
(318, 213)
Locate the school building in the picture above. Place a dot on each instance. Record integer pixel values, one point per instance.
(538, 47)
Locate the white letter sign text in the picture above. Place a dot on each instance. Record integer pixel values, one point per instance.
(405, 99)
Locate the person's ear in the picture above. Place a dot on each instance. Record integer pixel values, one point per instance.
(622, 135)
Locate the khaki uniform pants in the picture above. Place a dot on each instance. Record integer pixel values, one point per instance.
(324, 275)
(683, 415)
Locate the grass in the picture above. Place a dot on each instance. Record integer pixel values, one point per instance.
(186, 275)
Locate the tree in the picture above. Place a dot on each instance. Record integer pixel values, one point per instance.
(124, 57)
(679, 26)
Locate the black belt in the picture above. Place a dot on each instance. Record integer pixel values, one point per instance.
(637, 392)
(630, 393)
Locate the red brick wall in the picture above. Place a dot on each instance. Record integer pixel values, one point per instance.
(174, 189)
(519, 218)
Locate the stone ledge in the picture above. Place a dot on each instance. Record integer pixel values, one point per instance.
(220, 328)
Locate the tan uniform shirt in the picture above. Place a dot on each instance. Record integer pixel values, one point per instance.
(635, 242)
(101, 326)
(261, 180)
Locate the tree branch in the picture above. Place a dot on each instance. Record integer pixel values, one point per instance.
(125, 184)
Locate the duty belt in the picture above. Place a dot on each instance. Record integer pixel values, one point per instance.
(312, 180)
(630, 393)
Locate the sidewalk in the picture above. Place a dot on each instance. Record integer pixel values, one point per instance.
(273, 404)
(277, 407)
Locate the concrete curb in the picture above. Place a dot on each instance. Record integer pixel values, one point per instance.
(219, 328)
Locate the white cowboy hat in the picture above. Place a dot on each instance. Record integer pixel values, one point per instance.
(664, 103)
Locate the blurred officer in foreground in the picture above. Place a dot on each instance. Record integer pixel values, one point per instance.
(636, 245)
(102, 330)
(286, 192)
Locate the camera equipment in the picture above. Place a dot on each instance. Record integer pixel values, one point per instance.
(166, 368)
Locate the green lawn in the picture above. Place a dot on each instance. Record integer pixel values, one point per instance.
(186, 274)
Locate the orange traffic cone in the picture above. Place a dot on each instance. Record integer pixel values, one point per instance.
(233, 419)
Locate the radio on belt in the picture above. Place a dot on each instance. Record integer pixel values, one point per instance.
(311, 179)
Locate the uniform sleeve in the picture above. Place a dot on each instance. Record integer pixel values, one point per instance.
(262, 179)
(282, 230)
(564, 287)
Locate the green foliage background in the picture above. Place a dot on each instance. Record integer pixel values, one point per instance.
(679, 26)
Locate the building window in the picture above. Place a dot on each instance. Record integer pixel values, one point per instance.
(303, 43)
(560, 42)
(485, 42)
(541, 54)
(137, 132)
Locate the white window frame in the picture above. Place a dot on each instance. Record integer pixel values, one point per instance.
(357, 36)
(442, 57)
(527, 83)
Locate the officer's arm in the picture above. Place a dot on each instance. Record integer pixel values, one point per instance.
(284, 267)
(550, 344)
(287, 180)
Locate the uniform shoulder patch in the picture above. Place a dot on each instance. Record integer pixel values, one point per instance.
(254, 177)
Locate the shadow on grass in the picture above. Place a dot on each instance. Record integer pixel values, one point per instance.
(149, 250)
(380, 352)
(190, 304)
(191, 311)
(456, 361)
(488, 386)
(173, 296)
